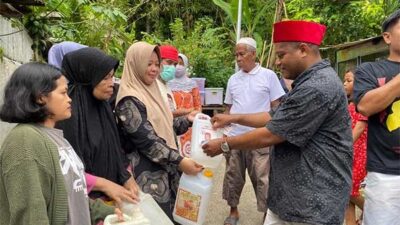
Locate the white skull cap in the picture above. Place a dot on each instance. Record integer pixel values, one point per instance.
(247, 41)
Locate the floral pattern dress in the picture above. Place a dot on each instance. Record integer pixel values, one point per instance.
(155, 165)
(359, 153)
(187, 100)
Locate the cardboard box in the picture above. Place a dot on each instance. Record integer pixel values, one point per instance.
(214, 96)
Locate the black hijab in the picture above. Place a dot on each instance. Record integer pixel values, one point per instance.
(92, 129)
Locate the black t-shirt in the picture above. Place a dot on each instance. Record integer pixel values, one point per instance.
(383, 155)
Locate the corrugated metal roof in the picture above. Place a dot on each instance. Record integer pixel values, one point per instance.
(353, 43)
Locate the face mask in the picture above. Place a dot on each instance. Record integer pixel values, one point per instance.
(180, 71)
(168, 73)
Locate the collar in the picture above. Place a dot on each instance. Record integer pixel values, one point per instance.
(308, 72)
(254, 71)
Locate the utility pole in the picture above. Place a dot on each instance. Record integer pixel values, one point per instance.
(238, 27)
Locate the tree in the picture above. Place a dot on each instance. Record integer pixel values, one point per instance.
(93, 23)
(346, 20)
(207, 47)
(255, 23)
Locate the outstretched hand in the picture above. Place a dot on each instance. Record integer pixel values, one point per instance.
(221, 120)
(213, 147)
(117, 192)
(190, 167)
(133, 187)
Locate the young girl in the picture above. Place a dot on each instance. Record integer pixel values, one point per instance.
(359, 126)
(42, 179)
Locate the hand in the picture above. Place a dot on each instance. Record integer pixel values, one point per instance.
(190, 167)
(192, 114)
(133, 187)
(221, 120)
(189, 110)
(213, 147)
(119, 214)
(116, 192)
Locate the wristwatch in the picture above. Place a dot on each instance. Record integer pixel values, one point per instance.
(224, 146)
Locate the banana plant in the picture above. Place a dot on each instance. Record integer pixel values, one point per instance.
(250, 20)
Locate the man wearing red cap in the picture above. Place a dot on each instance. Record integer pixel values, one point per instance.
(169, 59)
(310, 176)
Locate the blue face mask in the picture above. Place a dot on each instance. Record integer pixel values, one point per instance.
(168, 73)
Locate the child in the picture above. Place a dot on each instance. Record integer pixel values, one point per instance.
(359, 126)
(42, 180)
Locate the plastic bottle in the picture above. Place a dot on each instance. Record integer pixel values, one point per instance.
(192, 198)
(202, 132)
(146, 212)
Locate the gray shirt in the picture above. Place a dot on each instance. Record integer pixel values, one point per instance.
(310, 179)
(74, 176)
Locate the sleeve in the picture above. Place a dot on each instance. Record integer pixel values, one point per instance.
(181, 125)
(196, 99)
(124, 174)
(275, 87)
(361, 117)
(299, 116)
(132, 119)
(90, 181)
(228, 94)
(99, 210)
(27, 186)
(364, 81)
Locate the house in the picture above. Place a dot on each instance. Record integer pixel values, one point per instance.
(350, 55)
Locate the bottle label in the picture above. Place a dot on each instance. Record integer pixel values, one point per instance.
(187, 205)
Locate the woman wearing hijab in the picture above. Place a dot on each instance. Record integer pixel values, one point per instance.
(147, 127)
(57, 53)
(92, 129)
(187, 98)
(59, 50)
(41, 177)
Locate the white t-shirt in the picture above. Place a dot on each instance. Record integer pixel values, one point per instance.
(251, 92)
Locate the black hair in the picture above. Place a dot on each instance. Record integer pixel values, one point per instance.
(27, 84)
(391, 20)
(350, 70)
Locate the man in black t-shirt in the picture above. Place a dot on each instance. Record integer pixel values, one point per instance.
(377, 95)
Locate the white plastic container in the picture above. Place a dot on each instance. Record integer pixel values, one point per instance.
(202, 132)
(192, 198)
(214, 96)
(201, 82)
(146, 212)
(113, 220)
(202, 97)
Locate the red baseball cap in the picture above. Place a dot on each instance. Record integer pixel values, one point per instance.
(299, 31)
(169, 52)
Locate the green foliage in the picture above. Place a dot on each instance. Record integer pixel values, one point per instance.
(346, 21)
(156, 16)
(93, 23)
(207, 47)
(255, 23)
(113, 25)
